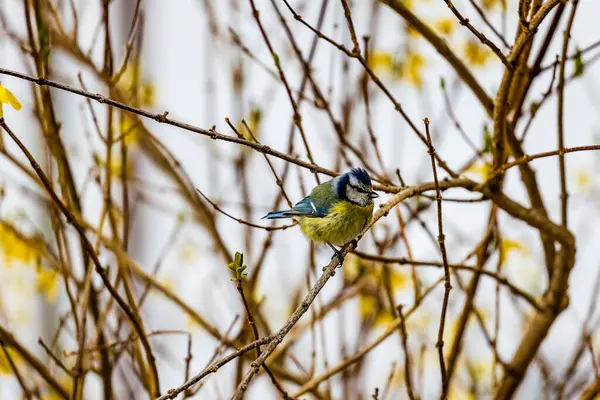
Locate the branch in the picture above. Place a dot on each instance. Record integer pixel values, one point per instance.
(442, 48)
(135, 320)
(329, 271)
(465, 22)
(7, 339)
(441, 243)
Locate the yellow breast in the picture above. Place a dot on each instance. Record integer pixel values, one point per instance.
(343, 223)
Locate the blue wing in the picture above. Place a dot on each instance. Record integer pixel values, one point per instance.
(306, 207)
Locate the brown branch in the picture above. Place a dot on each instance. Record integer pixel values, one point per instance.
(407, 356)
(488, 23)
(173, 393)
(329, 271)
(375, 79)
(482, 38)
(242, 221)
(7, 339)
(564, 195)
(442, 48)
(314, 382)
(252, 324)
(437, 264)
(13, 366)
(441, 243)
(162, 118)
(348, 16)
(135, 320)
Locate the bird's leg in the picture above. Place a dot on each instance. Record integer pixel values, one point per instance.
(337, 254)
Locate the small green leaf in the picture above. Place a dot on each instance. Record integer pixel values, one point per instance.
(256, 115)
(487, 140)
(442, 83)
(276, 60)
(237, 267)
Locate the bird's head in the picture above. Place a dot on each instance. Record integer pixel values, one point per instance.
(356, 187)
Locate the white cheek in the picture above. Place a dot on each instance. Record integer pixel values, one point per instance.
(357, 197)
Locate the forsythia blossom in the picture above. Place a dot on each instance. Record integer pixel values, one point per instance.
(6, 97)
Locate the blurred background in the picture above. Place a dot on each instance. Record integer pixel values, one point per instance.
(133, 181)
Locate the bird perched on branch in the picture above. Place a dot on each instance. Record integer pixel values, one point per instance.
(336, 211)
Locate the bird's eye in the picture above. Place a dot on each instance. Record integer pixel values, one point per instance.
(360, 190)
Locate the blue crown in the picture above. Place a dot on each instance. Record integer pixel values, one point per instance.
(362, 175)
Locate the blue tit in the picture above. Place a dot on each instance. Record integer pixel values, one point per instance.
(336, 211)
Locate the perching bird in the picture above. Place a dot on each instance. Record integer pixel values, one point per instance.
(336, 211)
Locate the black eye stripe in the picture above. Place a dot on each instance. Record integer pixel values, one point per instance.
(357, 188)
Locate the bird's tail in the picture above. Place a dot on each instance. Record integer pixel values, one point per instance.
(278, 214)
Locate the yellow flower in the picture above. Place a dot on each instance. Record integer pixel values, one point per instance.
(508, 246)
(445, 26)
(381, 61)
(66, 382)
(353, 268)
(399, 279)
(410, 4)
(489, 4)
(144, 89)
(47, 283)
(384, 319)
(141, 93)
(476, 54)
(5, 368)
(480, 169)
(6, 97)
(253, 122)
(128, 129)
(412, 68)
(148, 94)
(15, 248)
(366, 306)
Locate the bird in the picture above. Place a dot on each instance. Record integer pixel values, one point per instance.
(336, 211)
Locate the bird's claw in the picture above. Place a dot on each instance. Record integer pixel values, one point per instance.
(339, 255)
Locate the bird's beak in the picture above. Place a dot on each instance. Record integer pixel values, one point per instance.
(373, 194)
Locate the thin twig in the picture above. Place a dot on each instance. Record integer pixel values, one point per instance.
(465, 22)
(564, 195)
(252, 324)
(407, 356)
(13, 366)
(242, 221)
(173, 393)
(441, 242)
(135, 320)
